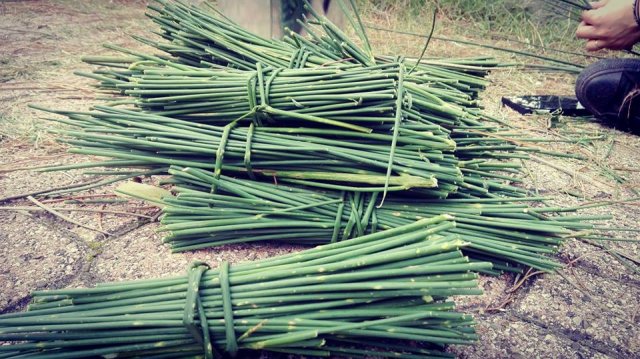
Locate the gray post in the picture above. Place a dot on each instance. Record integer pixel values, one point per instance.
(263, 17)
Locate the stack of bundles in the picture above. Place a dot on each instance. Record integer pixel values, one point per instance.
(219, 74)
(360, 122)
(382, 294)
(403, 123)
(341, 104)
(340, 135)
(306, 141)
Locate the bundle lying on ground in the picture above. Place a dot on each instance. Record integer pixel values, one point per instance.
(347, 161)
(139, 139)
(363, 99)
(510, 235)
(378, 291)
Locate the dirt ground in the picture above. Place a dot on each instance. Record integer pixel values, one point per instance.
(589, 309)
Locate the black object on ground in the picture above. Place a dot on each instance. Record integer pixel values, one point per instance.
(569, 106)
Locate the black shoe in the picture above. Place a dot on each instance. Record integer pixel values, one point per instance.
(610, 89)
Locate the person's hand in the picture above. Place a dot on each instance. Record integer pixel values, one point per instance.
(610, 24)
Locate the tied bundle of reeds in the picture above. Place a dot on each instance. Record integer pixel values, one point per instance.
(384, 292)
(507, 231)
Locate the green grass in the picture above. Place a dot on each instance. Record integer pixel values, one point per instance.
(508, 23)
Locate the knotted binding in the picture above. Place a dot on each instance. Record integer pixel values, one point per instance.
(362, 214)
(230, 333)
(193, 303)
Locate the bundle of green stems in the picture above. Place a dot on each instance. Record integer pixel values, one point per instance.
(201, 36)
(364, 99)
(349, 160)
(383, 294)
(414, 154)
(512, 233)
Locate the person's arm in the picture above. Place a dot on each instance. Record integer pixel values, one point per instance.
(610, 24)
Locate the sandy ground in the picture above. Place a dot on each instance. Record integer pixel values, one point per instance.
(589, 309)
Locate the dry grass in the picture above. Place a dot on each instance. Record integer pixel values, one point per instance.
(485, 22)
(42, 43)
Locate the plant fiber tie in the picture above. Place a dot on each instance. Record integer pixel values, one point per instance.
(193, 303)
(227, 308)
(247, 151)
(224, 138)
